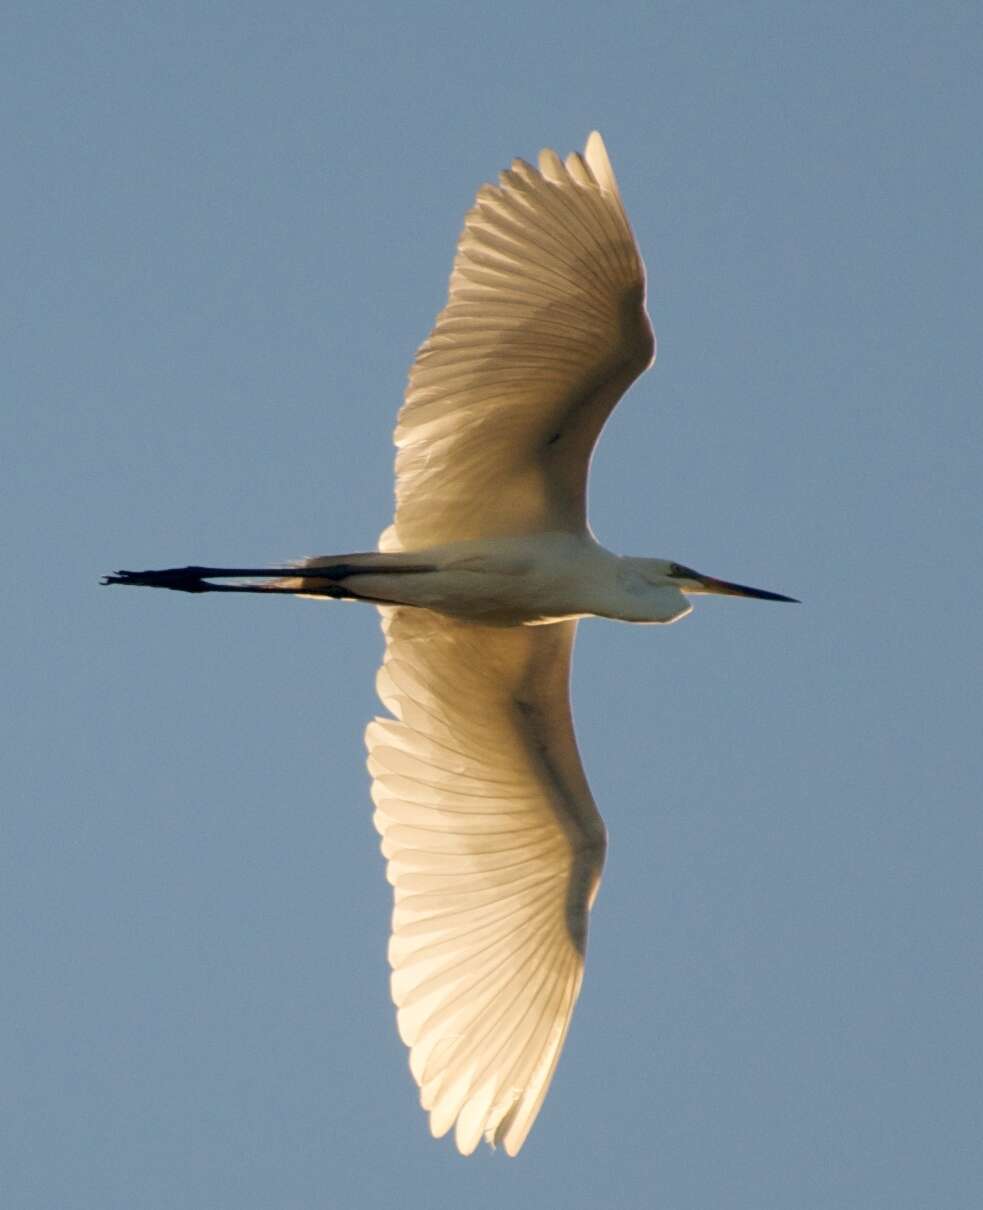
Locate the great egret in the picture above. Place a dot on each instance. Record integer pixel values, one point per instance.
(493, 841)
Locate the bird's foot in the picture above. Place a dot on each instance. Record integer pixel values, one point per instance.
(183, 579)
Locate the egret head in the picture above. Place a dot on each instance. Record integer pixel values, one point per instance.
(690, 581)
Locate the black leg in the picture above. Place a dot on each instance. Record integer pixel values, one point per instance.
(192, 579)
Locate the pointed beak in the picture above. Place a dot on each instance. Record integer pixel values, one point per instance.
(724, 588)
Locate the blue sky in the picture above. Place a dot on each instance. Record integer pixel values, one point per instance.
(228, 226)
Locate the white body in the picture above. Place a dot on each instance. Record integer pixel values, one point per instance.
(521, 581)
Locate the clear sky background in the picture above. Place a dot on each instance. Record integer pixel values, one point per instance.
(227, 226)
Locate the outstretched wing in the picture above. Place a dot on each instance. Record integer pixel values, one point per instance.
(494, 851)
(544, 330)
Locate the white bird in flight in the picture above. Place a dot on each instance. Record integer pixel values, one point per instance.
(493, 842)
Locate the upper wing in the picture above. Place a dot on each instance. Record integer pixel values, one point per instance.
(494, 851)
(544, 330)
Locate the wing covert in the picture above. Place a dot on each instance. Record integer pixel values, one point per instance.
(494, 851)
(544, 329)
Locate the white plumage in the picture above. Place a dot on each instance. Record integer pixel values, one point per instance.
(494, 851)
(493, 843)
(544, 330)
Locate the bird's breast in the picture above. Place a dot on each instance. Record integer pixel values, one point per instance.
(505, 581)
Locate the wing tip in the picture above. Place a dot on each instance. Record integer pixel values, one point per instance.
(599, 162)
